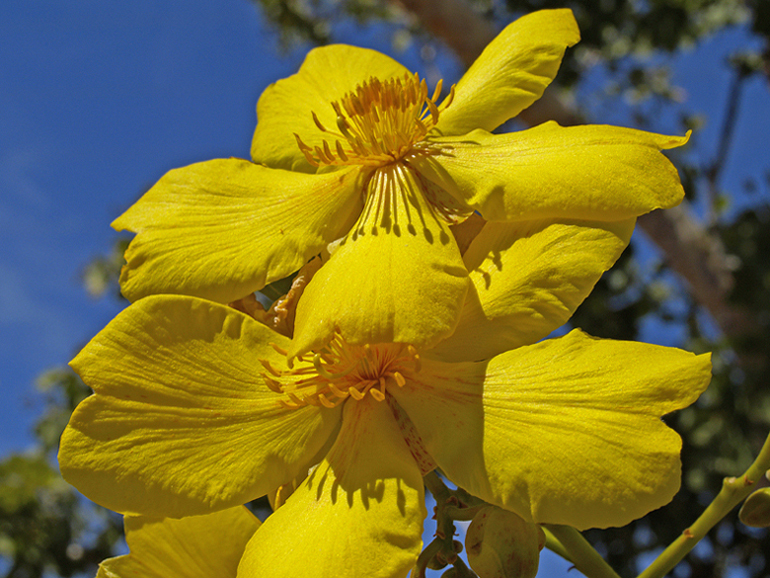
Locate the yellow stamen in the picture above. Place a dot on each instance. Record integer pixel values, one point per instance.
(325, 402)
(284, 352)
(328, 150)
(318, 122)
(356, 394)
(380, 121)
(437, 91)
(320, 155)
(306, 150)
(340, 371)
(378, 394)
(340, 150)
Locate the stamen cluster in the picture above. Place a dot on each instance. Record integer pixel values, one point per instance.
(378, 123)
(339, 371)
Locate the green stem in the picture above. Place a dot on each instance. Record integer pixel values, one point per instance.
(469, 500)
(445, 528)
(580, 552)
(462, 571)
(462, 514)
(436, 487)
(554, 545)
(733, 492)
(425, 557)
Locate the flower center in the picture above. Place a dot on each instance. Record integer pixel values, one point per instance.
(340, 371)
(378, 123)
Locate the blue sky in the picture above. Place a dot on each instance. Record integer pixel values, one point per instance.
(99, 98)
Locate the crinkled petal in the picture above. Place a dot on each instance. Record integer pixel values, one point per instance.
(567, 431)
(360, 513)
(528, 279)
(397, 278)
(466, 231)
(589, 172)
(286, 107)
(512, 72)
(225, 228)
(193, 547)
(182, 422)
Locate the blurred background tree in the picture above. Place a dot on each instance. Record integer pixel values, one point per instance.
(704, 281)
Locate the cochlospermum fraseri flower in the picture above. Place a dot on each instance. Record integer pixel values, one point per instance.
(196, 409)
(415, 345)
(357, 154)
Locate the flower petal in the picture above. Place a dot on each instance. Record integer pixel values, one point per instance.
(193, 547)
(225, 228)
(566, 431)
(397, 278)
(589, 172)
(182, 422)
(528, 279)
(466, 231)
(287, 107)
(360, 513)
(511, 73)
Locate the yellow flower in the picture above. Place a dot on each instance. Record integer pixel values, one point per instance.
(355, 151)
(195, 409)
(194, 547)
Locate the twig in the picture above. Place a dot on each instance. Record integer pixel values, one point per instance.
(733, 492)
(714, 170)
(580, 552)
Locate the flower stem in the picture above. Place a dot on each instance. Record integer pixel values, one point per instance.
(444, 549)
(463, 514)
(425, 557)
(578, 551)
(733, 492)
(554, 545)
(435, 486)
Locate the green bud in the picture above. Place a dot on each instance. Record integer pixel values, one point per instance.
(502, 545)
(755, 511)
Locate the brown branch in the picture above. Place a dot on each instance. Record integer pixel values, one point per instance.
(700, 259)
(461, 28)
(690, 250)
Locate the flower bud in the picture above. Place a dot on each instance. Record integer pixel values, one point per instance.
(502, 545)
(755, 511)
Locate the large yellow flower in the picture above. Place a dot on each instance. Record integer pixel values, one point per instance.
(355, 151)
(196, 547)
(195, 409)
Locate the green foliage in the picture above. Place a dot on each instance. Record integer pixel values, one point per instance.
(312, 20)
(101, 275)
(45, 525)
